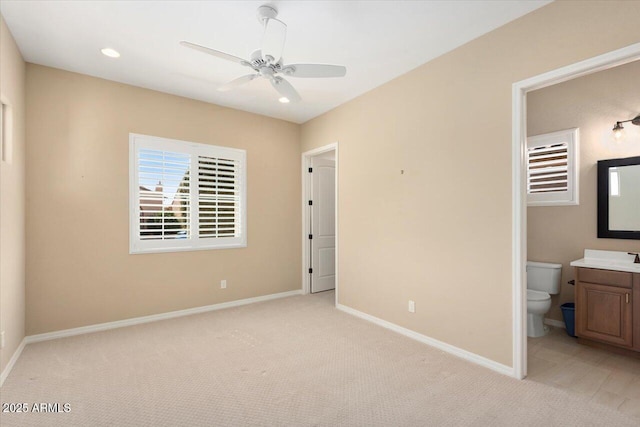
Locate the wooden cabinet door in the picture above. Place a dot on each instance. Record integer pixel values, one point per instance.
(604, 313)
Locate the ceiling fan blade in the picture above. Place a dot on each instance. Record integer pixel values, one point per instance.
(275, 33)
(237, 82)
(314, 70)
(215, 53)
(285, 89)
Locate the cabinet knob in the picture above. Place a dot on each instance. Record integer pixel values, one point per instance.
(627, 297)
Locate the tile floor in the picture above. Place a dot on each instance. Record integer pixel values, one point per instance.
(600, 376)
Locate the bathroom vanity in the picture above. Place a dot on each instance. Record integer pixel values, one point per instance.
(607, 296)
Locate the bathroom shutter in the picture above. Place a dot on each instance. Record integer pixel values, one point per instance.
(552, 168)
(548, 168)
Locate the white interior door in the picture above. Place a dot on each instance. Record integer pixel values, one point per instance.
(323, 224)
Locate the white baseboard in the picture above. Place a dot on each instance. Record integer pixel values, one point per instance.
(463, 354)
(12, 361)
(154, 317)
(556, 323)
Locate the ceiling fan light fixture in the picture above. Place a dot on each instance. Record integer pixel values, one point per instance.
(111, 53)
(284, 100)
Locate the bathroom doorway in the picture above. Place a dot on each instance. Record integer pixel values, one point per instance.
(519, 179)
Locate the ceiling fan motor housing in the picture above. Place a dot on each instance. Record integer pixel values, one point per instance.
(258, 63)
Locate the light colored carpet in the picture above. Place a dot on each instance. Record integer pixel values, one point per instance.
(291, 362)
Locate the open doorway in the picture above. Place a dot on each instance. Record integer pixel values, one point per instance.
(319, 209)
(519, 180)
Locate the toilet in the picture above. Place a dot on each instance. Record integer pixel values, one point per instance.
(543, 280)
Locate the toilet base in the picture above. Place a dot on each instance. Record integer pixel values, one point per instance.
(535, 326)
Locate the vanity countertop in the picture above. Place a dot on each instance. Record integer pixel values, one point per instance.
(607, 260)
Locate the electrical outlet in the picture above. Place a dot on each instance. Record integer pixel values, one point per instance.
(412, 306)
(223, 284)
(2, 339)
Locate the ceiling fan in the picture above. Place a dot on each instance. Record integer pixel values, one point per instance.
(267, 62)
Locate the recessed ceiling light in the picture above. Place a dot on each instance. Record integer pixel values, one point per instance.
(284, 100)
(111, 53)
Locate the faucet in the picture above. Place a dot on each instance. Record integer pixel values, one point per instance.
(637, 259)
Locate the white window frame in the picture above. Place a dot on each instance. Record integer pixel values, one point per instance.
(2, 127)
(570, 197)
(192, 242)
(6, 130)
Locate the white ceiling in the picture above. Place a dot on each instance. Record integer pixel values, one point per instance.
(376, 40)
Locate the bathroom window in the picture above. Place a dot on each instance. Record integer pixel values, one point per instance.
(552, 168)
(185, 196)
(614, 182)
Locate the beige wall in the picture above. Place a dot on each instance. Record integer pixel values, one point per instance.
(79, 271)
(440, 234)
(593, 103)
(12, 199)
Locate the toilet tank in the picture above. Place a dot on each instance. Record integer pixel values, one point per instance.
(545, 277)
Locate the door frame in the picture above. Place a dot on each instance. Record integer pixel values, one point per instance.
(519, 181)
(306, 194)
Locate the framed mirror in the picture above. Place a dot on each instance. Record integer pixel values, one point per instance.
(619, 198)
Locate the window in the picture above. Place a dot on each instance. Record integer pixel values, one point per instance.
(552, 166)
(6, 123)
(2, 125)
(185, 196)
(614, 182)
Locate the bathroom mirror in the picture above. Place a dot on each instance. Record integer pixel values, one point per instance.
(619, 198)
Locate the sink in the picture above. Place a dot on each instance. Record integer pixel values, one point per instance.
(607, 260)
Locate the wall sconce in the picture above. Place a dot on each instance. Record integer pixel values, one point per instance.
(618, 129)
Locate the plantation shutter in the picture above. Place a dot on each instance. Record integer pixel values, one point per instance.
(552, 169)
(548, 168)
(218, 197)
(163, 194)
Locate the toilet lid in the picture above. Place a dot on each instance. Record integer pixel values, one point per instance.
(537, 295)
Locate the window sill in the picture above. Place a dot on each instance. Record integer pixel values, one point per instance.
(133, 251)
